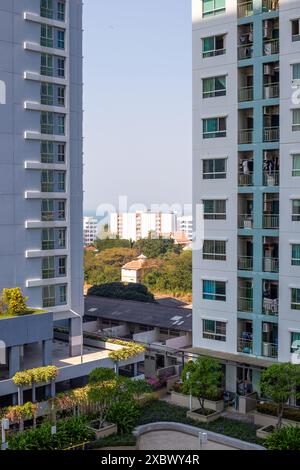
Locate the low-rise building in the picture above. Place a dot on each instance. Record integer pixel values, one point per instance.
(164, 328)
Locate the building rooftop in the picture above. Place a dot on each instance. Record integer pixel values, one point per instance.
(148, 314)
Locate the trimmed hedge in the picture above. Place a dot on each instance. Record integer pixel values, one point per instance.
(290, 413)
(38, 375)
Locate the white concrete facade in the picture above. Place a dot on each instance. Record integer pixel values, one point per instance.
(90, 230)
(247, 27)
(137, 225)
(41, 152)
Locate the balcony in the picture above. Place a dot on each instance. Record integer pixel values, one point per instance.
(245, 304)
(271, 221)
(271, 265)
(270, 5)
(245, 136)
(245, 221)
(270, 306)
(245, 9)
(271, 178)
(245, 263)
(271, 134)
(245, 346)
(271, 46)
(271, 91)
(245, 51)
(246, 179)
(246, 94)
(270, 350)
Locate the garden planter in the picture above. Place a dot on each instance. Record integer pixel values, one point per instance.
(107, 430)
(180, 399)
(203, 418)
(263, 420)
(264, 432)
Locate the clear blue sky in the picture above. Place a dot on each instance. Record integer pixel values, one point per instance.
(137, 101)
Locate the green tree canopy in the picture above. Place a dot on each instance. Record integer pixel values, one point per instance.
(279, 382)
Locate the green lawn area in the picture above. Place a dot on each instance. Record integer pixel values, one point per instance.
(163, 411)
(29, 311)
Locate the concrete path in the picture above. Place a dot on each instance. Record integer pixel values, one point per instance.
(173, 440)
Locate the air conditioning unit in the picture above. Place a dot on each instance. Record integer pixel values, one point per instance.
(266, 328)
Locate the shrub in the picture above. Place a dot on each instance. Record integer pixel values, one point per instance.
(70, 432)
(38, 375)
(127, 352)
(101, 374)
(18, 413)
(125, 415)
(15, 301)
(286, 438)
(271, 409)
(119, 290)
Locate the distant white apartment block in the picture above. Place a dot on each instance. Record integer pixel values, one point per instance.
(90, 230)
(185, 225)
(246, 172)
(137, 225)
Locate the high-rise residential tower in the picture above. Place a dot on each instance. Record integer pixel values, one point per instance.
(246, 167)
(41, 155)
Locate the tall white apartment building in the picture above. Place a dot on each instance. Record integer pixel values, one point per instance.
(185, 225)
(137, 225)
(41, 157)
(246, 167)
(90, 230)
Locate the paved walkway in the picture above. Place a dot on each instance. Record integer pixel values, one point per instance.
(174, 440)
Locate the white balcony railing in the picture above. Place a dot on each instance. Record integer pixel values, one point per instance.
(270, 221)
(271, 265)
(245, 9)
(271, 134)
(245, 263)
(246, 93)
(245, 136)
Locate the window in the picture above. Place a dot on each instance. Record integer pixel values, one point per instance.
(215, 330)
(213, 46)
(295, 30)
(62, 295)
(48, 296)
(47, 181)
(61, 68)
(296, 71)
(61, 210)
(295, 342)
(48, 239)
(47, 94)
(47, 152)
(296, 210)
(62, 238)
(214, 250)
(61, 153)
(62, 270)
(60, 39)
(47, 8)
(296, 165)
(46, 36)
(47, 123)
(214, 128)
(61, 96)
(61, 125)
(213, 87)
(296, 120)
(48, 267)
(214, 168)
(295, 255)
(47, 65)
(214, 209)
(47, 210)
(214, 290)
(61, 9)
(295, 305)
(61, 181)
(213, 7)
